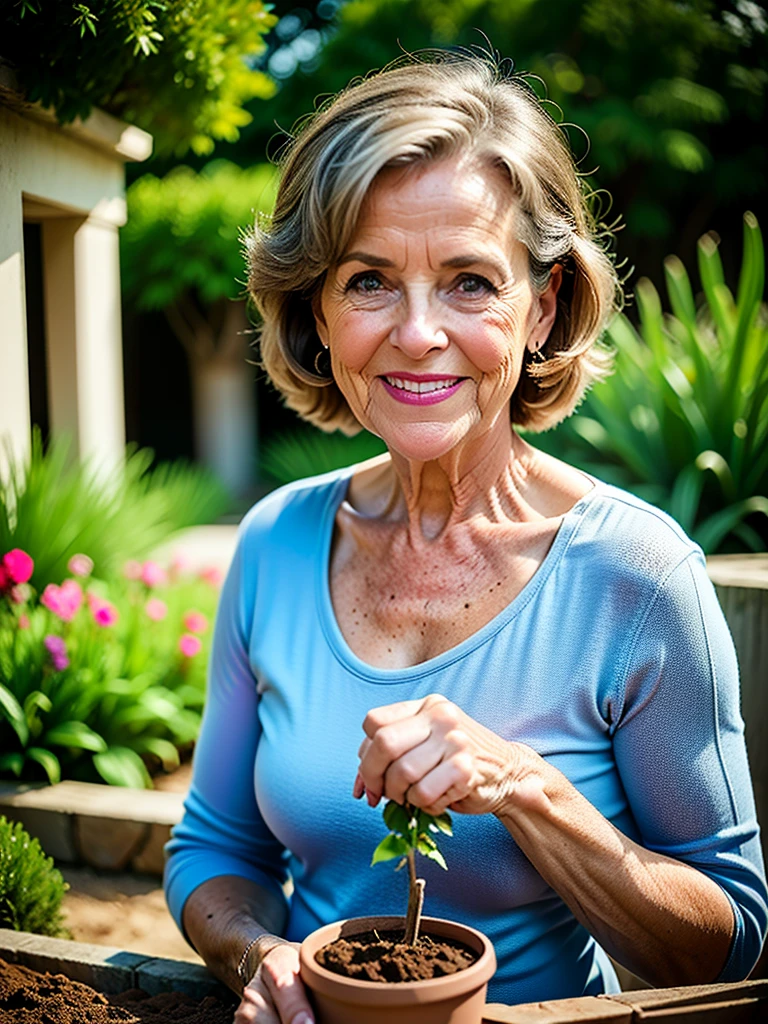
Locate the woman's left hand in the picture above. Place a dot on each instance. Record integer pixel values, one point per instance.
(431, 754)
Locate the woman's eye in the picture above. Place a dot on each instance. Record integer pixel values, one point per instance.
(364, 284)
(474, 284)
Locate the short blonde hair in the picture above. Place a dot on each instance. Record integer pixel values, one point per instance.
(424, 108)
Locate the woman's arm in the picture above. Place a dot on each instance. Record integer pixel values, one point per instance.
(223, 915)
(666, 921)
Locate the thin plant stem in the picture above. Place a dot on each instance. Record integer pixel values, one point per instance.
(415, 902)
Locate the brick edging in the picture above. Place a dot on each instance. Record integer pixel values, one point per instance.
(108, 969)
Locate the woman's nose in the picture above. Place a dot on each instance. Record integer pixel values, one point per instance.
(418, 333)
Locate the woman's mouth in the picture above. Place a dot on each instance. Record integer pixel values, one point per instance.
(426, 390)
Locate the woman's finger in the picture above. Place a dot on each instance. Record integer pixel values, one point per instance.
(409, 769)
(256, 1006)
(447, 783)
(280, 973)
(389, 713)
(388, 744)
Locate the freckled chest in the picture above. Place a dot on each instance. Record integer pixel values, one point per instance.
(398, 606)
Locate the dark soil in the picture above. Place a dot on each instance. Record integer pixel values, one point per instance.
(28, 997)
(383, 956)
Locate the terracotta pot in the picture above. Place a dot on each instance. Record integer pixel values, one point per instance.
(454, 999)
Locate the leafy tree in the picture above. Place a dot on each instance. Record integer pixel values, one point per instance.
(182, 69)
(180, 253)
(31, 888)
(671, 95)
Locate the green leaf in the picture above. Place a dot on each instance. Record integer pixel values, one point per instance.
(436, 856)
(49, 762)
(443, 822)
(396, 818)
(390, 847)
(121, 766)
(14, 714)
(76, 735)
(13, 762)
(711, 532)
(166, 751)
(34, 701)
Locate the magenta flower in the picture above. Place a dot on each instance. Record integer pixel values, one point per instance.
(63, 601)
(212, 574)
(189, 645)
(132, 570)
(153, 575)
(18, 566)
(156, 609)
(195, 622)
(23, 622)
(58, 651)
(104, 613)
(80, 565)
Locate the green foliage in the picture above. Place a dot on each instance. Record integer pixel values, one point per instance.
(182, 69)
(304, 452)
(31, 888)
(120, 695)
(672, 95)
(54, 507)
(684, 420)
(183, 232)
(411, 831)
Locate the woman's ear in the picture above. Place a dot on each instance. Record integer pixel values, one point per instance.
(320, 322)
(547, 309)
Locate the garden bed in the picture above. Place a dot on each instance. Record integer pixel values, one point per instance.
(111, 972)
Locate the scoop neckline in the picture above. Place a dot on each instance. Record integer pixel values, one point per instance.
(375, 674)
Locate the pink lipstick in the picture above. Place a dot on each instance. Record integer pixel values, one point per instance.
(421, 389)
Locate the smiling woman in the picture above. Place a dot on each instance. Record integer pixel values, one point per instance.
(534, 650)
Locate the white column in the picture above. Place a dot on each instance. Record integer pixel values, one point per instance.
(14, 370)
(82, 310)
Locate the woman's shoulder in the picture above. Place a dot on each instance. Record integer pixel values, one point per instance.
(292, 504)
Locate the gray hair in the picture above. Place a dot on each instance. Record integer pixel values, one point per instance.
(424, 108)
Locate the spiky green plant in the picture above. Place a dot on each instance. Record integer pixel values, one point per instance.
(307, 451)
(412, 831)
(683, 422)
(54, 506)
(31, 888)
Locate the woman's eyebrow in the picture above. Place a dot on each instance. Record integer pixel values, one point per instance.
(472, 260)
(367, 258)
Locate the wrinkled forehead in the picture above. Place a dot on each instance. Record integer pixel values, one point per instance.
(459, 199)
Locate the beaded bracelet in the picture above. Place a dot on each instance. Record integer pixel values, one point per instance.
(266, 944)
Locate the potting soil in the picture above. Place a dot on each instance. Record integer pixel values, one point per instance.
(384, 957)
(28, 997)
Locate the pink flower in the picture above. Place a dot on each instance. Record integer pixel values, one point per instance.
(195, 622)
(153, 574)
(180, 566)
(58, 652)
(212, 574)
(132, 570)
(105, 613)
(156, 609)
(18, 565)
(63, 601)
(80, 565)
(189, 645)
(23, 622)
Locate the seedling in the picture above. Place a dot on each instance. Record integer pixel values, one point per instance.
(412, 830)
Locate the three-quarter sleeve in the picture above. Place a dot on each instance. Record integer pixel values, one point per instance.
(222, 831)
(679, 746)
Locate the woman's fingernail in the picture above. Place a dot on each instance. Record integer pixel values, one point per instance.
(302, 1018)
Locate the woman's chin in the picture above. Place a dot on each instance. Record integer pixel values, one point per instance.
(424, 442)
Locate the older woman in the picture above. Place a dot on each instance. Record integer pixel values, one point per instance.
(538, 652)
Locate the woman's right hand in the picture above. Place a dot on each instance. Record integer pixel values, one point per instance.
(275, 994)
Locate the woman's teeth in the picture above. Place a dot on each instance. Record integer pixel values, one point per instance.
(422, 387)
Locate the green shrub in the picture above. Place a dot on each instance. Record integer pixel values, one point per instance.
(683, 422)
(31, 888)
(54, 507)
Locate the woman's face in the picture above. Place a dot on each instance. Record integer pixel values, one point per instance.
(428, 313)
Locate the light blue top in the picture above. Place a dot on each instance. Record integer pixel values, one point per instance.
(614, 663)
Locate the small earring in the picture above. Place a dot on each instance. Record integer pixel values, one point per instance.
(325, 370)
